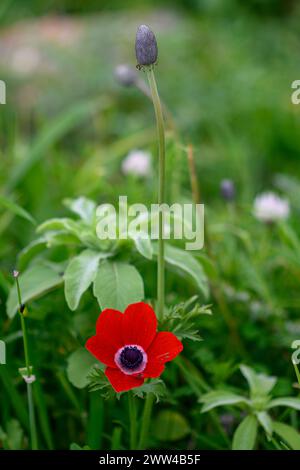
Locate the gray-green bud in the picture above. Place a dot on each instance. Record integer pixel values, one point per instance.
(145, 46)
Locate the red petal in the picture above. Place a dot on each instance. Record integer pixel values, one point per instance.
(153, 369)
(122, 382)
(164, 348)
(108, 337)
(139, 325)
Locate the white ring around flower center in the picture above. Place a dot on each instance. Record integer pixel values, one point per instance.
(126, 370)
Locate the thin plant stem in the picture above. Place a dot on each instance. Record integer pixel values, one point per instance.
(161, 256)
(161, 191)
(132, 421)
(146, 421)
(25, 342)
(32, 422)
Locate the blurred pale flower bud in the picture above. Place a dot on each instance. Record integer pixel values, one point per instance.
(145, 46)
(227, 190)
(126, 75)
(29, 379)
(137, 163)
(268, 207)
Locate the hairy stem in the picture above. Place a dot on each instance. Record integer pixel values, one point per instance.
(161, 191)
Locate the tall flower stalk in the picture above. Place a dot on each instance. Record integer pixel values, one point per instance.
(146, 54)
(161, 191)
(27, 375)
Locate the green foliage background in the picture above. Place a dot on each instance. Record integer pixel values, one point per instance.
(225, 71)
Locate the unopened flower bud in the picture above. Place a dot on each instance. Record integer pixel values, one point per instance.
(227, 190)
(145, 46)
(29, 379)
(125, 75)
(15, 273)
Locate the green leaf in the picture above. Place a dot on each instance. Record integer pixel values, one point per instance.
(156, 386)
(266, 422)
(117, 285)
(170, 426)
(79, 275)
(245, 435)
(143, 245)
(65, 224)
(80, 363)
(33, 283)
(183, 319)
(184, 261)
(75, 446)
(16, 209)
(221, 398)
(290, 402)
(83, 207)
(288, 434)
(30, 251)
(260, 384)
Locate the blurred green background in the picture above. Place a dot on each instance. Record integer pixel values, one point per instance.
(224, 71)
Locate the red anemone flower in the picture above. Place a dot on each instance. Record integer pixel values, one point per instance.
(129, 345)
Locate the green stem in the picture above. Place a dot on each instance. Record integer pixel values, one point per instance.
(133, 420)
(32, 423)
(25, 342)
(161, 191)
(146, 421)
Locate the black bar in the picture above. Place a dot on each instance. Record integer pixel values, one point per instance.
(134, 459)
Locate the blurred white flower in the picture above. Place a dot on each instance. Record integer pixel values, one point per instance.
(268, 207)
(137, 163)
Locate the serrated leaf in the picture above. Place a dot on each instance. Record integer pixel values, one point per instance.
(117, 285)
(80, 363)
(75, 446)
(156, 386)
(288, 434)
(245, 435)
(34, 282)
(79, 275)
(221, 398)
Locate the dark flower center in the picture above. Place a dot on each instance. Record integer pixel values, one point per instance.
(131, 357)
